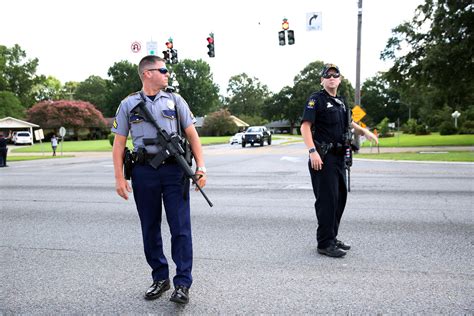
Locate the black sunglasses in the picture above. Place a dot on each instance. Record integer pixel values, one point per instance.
(161, 70)
(334, 75)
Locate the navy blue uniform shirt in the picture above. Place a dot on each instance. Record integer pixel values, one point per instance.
(328, 117)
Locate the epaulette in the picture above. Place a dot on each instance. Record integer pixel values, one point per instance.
(133, 93)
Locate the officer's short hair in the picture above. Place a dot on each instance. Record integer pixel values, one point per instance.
(147, 62)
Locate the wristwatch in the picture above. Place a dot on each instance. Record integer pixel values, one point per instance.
(312, 150)
(202, 169)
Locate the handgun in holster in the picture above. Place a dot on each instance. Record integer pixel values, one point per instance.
(323, 149)
(127, 163)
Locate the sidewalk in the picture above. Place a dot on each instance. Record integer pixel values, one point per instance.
(374, 150)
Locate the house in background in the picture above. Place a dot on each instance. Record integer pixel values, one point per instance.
(9, 124)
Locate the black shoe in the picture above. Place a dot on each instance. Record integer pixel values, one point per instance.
(157, 288)
(332, 251)
(180, 295)
(342, 245)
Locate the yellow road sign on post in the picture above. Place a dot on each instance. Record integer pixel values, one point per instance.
(357, 113)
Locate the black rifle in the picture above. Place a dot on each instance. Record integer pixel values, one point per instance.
(171, 147)
(348, 147)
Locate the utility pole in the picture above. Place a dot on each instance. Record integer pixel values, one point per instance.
(359, 27)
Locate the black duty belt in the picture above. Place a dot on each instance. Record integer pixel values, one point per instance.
(170, 160)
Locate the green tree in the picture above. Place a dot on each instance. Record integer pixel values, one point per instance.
(10, 105)
(380, 100)
(124, 80)
(18, 74)
(47, 88)
(219, 123)
(437, 44)
(94, 90)
(246, 95)
(196, 86)
(68, 90)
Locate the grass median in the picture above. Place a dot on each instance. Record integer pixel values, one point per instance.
(400, 140)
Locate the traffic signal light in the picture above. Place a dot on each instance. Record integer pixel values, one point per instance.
(281, 38)
(285, 25)
(210, 45)
(291, 37)
(174, 56)
(166, 56)
(169, 44)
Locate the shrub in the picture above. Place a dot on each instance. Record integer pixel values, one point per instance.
(421, 130)
(467, 128)
(410, 126)
(383, 127)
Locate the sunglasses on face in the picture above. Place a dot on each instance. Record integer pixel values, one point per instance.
(334, 75)
(161, 70)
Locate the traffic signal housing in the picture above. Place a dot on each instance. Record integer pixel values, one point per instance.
(166, 56)
(281, 38)
(291, 37)
(174, 56)
(210, 46)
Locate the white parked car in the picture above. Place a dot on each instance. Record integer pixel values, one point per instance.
(22, 138)
(236, 139)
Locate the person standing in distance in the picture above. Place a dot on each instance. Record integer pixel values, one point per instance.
(166, 184)
(54, 144)
(323, 125)
(3, 150)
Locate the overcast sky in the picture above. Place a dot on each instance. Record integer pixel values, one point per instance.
(75, 39)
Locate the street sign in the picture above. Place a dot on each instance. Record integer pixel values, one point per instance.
(151, 47)
(314, 21)
(357, 113)
(62, 131)
(136, 47)
(39, 134)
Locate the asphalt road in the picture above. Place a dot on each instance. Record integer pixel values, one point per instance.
(70, 245)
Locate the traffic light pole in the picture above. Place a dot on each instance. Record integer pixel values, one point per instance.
(359, 28)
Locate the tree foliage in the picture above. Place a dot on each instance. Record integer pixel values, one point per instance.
(219, 123)
(124, 80)
(94, 90)
(18, 74)
(246, 95)
(380, 100)
(432, 57)
(10, 105)
(67, 113)
(196, 86)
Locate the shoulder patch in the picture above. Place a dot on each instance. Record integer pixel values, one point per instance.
(311, 103)
(115, 123)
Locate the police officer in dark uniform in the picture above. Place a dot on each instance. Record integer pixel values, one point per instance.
(324, 123)
(166, 184)
(3, 150)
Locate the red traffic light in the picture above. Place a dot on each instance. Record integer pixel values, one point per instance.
(169, 45)
(210, 40)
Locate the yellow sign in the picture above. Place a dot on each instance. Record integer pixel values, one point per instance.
(357, 113)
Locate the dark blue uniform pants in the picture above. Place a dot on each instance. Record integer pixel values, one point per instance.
(150, 187)
(330, 191)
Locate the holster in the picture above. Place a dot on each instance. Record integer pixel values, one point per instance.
(323, 148)
(127, 163)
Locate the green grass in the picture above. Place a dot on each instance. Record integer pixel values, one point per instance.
(410, 140)
(23, 158)
(98, 145)
(460, 156)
